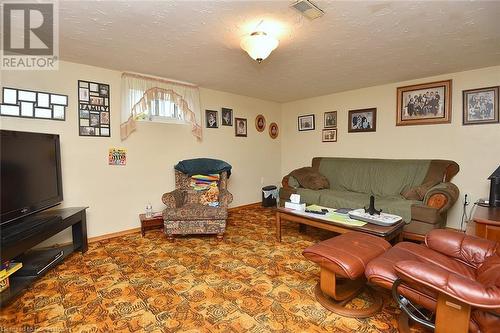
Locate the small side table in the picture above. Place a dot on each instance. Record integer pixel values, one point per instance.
(486, 223)
(154, 222)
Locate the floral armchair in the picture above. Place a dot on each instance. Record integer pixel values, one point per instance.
(186, 215)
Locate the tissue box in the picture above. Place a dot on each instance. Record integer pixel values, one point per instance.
(295, 206)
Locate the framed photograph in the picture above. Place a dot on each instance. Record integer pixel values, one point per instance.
(240, 128)
(227, 117)
(211, 119)
(84, 94)
(306, 123)
(329, 135)
(330, 120)
(422, 104)
(273, 130)
(363, 120)
(480, 106)
(260, 123)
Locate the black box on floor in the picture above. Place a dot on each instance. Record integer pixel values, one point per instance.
(36, 262)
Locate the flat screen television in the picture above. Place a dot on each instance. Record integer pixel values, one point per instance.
(30, 174)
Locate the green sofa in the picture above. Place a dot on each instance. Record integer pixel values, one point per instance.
(353, 180)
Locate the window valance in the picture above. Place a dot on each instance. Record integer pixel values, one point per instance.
(141, 93)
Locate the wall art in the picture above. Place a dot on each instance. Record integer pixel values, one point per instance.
(117, 156)
(306, 123)
(33, 104)
(329, 135)
(260, 123)
(421, 104)
(363, 120)
(94, 109)
(273, 130)
(240, 128)
(480, 106)
(227, 117)
(330, 120)
(211, 119)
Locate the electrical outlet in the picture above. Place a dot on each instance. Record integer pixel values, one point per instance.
(466, 199)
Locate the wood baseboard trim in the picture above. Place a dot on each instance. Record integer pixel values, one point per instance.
(114, 234)
(138, 229)
(255, 204)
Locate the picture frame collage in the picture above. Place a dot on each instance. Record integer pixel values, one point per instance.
(33, 104)
(94, 109)
(240, 124)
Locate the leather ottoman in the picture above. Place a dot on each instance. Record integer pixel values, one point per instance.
(342, 260)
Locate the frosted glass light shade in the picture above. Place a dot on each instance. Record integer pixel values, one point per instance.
(259, 45)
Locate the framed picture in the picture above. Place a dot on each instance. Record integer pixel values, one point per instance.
(306, 123)
(330, 120)
(421, 104)
(260, 123)
(227, 117)
(94, 109)
(240, 128)
(273, 130)
(211, 119)
(480, 106)
(363, 120)
(329, 135)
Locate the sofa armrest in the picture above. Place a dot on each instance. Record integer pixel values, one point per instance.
(468, 249)
(442, 196)
(225, 198)
(443, 281)
(174, 199)
(286, 190)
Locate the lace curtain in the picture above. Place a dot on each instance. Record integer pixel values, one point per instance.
(139, 93)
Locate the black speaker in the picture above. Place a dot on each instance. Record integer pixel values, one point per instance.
(495, 188)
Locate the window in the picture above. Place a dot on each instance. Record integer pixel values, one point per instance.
(160, 110)
(155, 99)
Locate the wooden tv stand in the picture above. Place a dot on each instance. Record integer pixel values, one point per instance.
(74, 217)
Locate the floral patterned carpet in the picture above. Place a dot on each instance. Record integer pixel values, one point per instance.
(247, 283)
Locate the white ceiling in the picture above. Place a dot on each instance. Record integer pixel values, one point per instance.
(354, 45)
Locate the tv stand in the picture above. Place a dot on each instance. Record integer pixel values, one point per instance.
(74, 217)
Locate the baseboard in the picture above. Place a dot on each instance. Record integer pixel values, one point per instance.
(114, 234)
(255, 204)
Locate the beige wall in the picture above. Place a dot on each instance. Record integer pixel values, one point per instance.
(116, 195)
(476, 148)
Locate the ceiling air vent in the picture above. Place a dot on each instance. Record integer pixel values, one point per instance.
(308, 9)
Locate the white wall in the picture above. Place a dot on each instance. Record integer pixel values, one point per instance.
(116, 195)
(476, 148)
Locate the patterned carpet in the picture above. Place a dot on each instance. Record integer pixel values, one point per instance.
(247, 283)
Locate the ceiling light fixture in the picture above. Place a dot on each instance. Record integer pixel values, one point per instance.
(259, 45)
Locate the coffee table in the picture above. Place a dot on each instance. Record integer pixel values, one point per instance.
(394, 232)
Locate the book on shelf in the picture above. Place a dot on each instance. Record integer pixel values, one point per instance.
(4, 276)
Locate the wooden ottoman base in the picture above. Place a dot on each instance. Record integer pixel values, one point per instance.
(333, 294)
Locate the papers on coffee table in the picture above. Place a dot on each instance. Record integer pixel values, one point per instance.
(330, 216)
(384, 219)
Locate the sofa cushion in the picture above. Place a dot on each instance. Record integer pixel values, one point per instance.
(310, 178)
(377, 176)
(308, 196)
(418, 192)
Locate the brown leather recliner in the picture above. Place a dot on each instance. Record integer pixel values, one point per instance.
(455, 277)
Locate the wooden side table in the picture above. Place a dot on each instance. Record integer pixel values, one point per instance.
(486, 223)
(154, 222)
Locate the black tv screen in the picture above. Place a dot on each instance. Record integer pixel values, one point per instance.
(30, 173)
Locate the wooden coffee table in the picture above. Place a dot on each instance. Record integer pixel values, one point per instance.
(394, 232)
